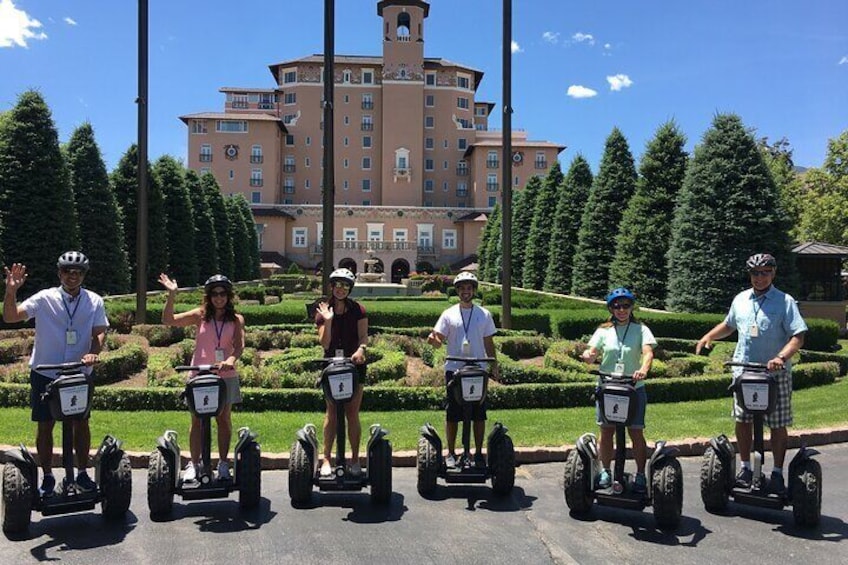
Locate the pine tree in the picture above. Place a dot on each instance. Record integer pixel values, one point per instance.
(252, 237)
(124, 180)
(494, 252)
(241, 239)
(218, 209)
(645, 235)
(39, 213)
(99, 217)
(483, 248)
(179, 223)
(599, 226)
(729, 208)
(522, 218)
(538, 241)
(205, 241)
(566, 225)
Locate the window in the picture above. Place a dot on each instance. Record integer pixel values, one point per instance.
(289, 139)
(492, 182)
(462, 169)
(346, 75)
(515, 181)
(306, 184)
(480, 111)
(445, 186)
(299, 237)
(428, 203)
(429, 100)
(198, 126)
(256, 197)
(367, 124)
(428, 143)
(308, 141)
(462, 144)
(375, 232)
(461, 189)
(232, 174)
(288, 164)
(288, 185)
(463, 82)
(256, 154)
(366, 185)
(367, 77)
(449, 239)
(346, 141)
(204, 170)
(239, 101)
(445, 165)
(206, 153)
(290, 119)
(465, 123)
(492, 160)
(493, 200)
(347, 120)
(366, 203)
(366, 141)
(429, 122)
(345, 185)
(462, 102)
(541, 161)
(289, 201)
(346, 98)
(425, 235)
(231, 126)
(446, 144)
(289, 77)
(349, 234)
(307, 162)
(430, 79)
(266, 101)
(366, 163)
(428, 185)
(291, 98)
(345, 163)
(400, 234)
(256, 177)
(367, 102)
(428, 165)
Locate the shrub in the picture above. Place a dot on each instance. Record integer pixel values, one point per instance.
(12, 348)
(522, 347)
(159, 335)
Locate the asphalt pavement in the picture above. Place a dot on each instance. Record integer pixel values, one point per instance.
(465, 523)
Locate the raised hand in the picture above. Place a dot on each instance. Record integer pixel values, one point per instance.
(169, 283)
(15, 278)
(325, 311)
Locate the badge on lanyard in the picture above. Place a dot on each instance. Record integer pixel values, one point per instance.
(219, 355)
(755, 330)
(340, 353)
(71, 337)
(618, 370)
(466, 347)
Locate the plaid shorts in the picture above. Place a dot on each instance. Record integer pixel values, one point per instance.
(781, 416)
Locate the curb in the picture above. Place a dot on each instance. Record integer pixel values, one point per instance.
(523, 455)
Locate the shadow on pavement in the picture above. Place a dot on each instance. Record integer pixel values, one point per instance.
(484, 498)
(689, 533)
(830, 528)
(221, 515)
(363, 511)
(77, 532)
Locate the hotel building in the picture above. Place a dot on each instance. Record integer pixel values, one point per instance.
(417, 168)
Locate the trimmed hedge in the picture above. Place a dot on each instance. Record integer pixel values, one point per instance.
(159, 335)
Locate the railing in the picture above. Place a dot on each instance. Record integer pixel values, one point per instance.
(361, 245)
(462, 171)
(403, 171)
(240, 105)
(541, 163)
(265, 106)
(425, 250)
(403, 38)
(492, 186)
(205, 157)
(288, 189)
(492, 163)
(256, 159)
(367, 126)
(256, 182)
(462, 192)
(367, 105)
(289, 168)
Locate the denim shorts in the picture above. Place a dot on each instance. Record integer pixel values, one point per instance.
(38, 386)
(638, 420)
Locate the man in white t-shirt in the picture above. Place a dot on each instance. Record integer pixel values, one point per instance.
(70, 326)
(467, 330)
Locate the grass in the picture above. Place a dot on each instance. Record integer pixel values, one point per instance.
(814, 408)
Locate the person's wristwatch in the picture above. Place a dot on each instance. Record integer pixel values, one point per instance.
(364, 348)
(781, 357)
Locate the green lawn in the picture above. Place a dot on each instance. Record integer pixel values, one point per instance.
(819, 407)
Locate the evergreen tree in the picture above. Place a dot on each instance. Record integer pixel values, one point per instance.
(124, 180)
(566, 225)
(252, 237)
(39, 214)
(645, 235)
(778, 158)
(205, 241)
(218, 209)
(599, 226)
(179, 223)
(539, 240)
(494, 251)
(483, 248)
(522, 218)
(728, 209)
(240, 238)
(100, 217)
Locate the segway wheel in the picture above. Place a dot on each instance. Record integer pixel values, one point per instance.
(116, 486)
(577, 484)
(805, 488)
(250, 476)
(714, 481)
(381, 474)
(668, 493)
(160, 484)
(502, 463)
(300, 474)
(17, 499)
(428, 467)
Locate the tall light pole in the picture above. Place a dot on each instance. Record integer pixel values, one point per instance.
(329, 190)
(506, 205)
(141, 198)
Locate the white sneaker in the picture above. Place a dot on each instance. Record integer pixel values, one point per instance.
(190, 473)
(450, 461)
(223, 470)
(326, 469)
(356, 469)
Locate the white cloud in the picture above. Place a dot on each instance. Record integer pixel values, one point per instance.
(581, 37)
(551, 36)
(70, 21)
(516, 48)
(607, 46)
(17, 27)
(843, 60)
(619, 81)
(578, 91)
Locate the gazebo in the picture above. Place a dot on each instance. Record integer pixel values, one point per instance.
(822, 293)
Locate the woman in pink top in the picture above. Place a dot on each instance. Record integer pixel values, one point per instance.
(220, 342)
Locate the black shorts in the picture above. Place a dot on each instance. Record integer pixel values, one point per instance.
(38, 386)
(454, 409)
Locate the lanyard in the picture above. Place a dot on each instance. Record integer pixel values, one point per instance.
(71, 315)
(219, 332)
(621, 340)
(466, 326)
(756, 302)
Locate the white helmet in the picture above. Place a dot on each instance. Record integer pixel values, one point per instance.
(465, 276)
(343, 275)
(73, 260)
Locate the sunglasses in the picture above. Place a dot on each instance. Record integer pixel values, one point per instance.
(761, 273)
(218, 293)
(72, 271)
(621, 306)
(343, 285)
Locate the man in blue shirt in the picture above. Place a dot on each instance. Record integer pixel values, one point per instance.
(771, 330)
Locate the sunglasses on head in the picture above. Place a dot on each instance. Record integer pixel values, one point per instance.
(621, 306)
(343, 285)
(761, 273)
(218, 293)
(71, 271)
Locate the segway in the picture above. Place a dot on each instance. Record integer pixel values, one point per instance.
(337, 382)
(69, 398)
(756, 392)
(616, 396)
(468, 386)
(206, 395)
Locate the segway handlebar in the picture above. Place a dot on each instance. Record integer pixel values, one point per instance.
(761, 366)
(199, 368)
(72, 366)
(610, 377)
(470, 360)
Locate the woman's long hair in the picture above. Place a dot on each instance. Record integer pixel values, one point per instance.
(209, 309)
(611, 322)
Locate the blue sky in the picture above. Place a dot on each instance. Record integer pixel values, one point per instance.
(579, 67)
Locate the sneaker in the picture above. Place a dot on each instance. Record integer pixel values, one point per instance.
(326, 469)
(223, 471)
(775, 484)
(48, 485)
(356, 469)
(84, 483)
(604, 479)
(67, 486)
(450, 461)
(640, 484)
(744, 478)
(190, 473)
(479, 461)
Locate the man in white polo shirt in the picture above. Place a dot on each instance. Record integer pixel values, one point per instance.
(70, 325)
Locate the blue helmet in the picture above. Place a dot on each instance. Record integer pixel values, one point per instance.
(620, 292)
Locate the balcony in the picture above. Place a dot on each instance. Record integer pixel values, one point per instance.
(256, 182)
(367, 126)
(256, 159)
(288, 189)
(265, 106)
(363, 246)
(492, 186)
(462, 192)
(426, 251)
(462, 171)
(541, 163)
(492, 163)
(205, 157)
(367, 105)
(239, 104)
(289, 168)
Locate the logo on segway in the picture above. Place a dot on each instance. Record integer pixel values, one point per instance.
(756, 398)
(74, 400)
(206, 400)
(615, 408)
